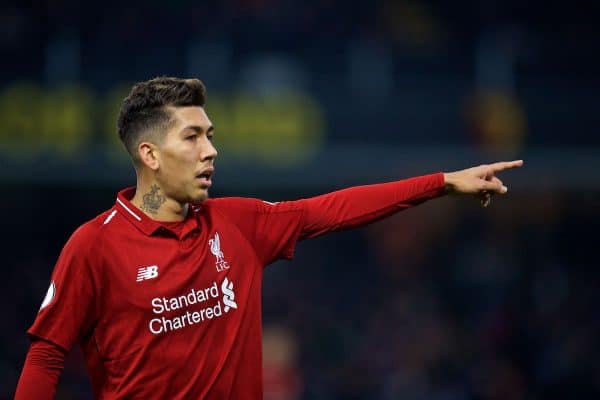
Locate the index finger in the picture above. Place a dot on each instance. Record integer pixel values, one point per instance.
(503, 165)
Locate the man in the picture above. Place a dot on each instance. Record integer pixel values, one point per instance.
(163, 290)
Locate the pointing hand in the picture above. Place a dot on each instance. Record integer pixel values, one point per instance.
(480, 181)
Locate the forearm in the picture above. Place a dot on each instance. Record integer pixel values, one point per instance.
(360, 205)
(41, 371)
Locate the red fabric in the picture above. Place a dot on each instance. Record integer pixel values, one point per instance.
(360, 205)
(40, 373)
(177, 315)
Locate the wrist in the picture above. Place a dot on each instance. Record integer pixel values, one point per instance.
(449, 182)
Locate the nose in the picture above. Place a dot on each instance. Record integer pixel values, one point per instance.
(209, 152)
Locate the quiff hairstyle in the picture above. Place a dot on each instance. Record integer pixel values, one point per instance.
(145, 113)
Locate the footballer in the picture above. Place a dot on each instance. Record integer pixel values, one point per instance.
(163, 290)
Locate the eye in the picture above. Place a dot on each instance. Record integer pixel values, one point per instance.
(191, 137)
(210, 137)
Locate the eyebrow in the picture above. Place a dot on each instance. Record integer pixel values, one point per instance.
(199, 129)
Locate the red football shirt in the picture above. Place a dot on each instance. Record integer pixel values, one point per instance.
(173, 311)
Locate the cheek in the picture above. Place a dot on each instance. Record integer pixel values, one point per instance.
(178, 162)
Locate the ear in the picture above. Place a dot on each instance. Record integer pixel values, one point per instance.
(149, 156)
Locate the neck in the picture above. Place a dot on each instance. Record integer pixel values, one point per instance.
(150, 198)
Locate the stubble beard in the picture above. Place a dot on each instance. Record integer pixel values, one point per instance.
(201, 197)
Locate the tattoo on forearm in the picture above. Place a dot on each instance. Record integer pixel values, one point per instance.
(152, 200)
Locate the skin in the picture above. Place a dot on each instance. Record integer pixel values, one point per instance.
(167, 177)
(480, 181)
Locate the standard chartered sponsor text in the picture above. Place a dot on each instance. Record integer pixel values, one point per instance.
(197, 315)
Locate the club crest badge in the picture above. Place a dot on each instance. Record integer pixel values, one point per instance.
(215, 248)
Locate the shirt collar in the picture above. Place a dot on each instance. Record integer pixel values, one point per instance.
(146, 224)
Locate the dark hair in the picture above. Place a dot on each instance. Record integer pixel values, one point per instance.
(145, 111)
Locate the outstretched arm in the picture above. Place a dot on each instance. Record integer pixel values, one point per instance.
(360, 205)
(274, 228)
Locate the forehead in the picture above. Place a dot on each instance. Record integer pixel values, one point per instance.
(190, 116)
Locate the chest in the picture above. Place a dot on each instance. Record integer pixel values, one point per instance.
(189, 280)
(165, 300)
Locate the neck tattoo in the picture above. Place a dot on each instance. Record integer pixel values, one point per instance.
(152, 200)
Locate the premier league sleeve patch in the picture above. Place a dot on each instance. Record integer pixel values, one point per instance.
(49, 296)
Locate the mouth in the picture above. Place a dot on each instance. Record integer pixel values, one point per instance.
(205, 177)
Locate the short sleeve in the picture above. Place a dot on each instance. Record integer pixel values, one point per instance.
(69, 309)
(272, 229)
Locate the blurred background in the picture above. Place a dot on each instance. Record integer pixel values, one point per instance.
(446, 301)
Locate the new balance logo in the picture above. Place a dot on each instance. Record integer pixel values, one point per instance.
(145, 273)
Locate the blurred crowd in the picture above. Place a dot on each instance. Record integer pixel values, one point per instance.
(136, 34)
(447, 302)
(494, 73)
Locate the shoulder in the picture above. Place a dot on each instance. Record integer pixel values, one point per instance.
(232, 209)
(88, 235)
(224, 204)
(250, 205)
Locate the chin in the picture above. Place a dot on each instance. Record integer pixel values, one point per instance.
(200, 196)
